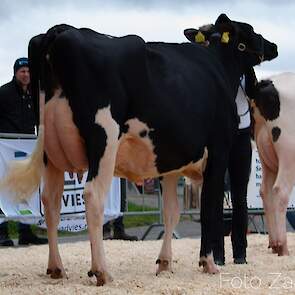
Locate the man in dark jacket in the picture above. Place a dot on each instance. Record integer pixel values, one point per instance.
(17, 116)
(16, 105)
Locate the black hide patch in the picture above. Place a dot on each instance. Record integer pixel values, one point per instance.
(267, 100)
(143, 133)
(45, 159)
(124, 129)
(62, 94)
(276, 132)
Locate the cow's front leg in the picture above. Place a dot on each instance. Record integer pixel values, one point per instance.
(211, 228)
(101, 144)
(171, 219)
(51, 198)
(212, 207)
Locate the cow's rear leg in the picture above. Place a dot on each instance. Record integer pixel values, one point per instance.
(95, 191)
(171, 219)
(268, 204)
(101, 145)
(51, 198)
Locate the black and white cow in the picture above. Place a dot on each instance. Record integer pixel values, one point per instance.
(139, 110)
(274, 107)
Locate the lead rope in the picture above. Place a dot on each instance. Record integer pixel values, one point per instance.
(248, 99)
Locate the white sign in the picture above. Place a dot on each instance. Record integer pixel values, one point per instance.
(72, 202)
(254, 200)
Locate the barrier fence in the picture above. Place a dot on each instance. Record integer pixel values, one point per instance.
(147, 197)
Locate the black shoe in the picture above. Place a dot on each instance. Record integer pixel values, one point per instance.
(31, 239)
(107, 235)
(219, 262)
(121, 235)
(5, 241)
(106, 230)
(240, 260)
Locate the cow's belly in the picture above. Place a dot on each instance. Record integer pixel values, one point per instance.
(136, 161)
(63, 143)
(266, 149)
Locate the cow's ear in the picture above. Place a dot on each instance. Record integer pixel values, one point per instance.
(225, 27)
(191, 34)
(223, 24)
(222, 19)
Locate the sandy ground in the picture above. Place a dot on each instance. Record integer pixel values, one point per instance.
(132, 265)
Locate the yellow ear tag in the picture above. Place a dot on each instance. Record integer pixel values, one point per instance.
(225, 37)
(200, 37)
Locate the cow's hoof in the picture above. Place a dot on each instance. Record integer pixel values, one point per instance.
(282, 250)
(55, 273)
(163, 265)
(208, 265)
(273, 246)
(102, 277)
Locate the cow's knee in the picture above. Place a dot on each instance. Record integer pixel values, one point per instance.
(282, 197)
(94, 201)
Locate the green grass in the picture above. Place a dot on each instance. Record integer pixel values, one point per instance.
(140, 220)
(13, 231)
(137, 208)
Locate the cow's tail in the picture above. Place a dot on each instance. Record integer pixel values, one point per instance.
(24, 176)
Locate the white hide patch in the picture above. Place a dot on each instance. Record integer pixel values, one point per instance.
(103, 180)
(136, 127)
(136, 159)
(104, 118)
(285, 85)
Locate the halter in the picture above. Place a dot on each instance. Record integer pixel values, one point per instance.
(242, 47)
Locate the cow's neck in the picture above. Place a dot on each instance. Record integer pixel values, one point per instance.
(231, 66)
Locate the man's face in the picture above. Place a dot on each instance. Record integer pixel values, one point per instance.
(23, 76)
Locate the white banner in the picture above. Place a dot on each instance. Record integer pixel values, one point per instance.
(72, 202)
(254, 199)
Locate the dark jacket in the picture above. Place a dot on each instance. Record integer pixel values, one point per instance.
(16, 110)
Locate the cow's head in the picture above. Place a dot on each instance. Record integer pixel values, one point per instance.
(201, 35)
(242, 36)
(237, 36)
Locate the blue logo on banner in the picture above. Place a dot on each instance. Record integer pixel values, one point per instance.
(20, 154)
